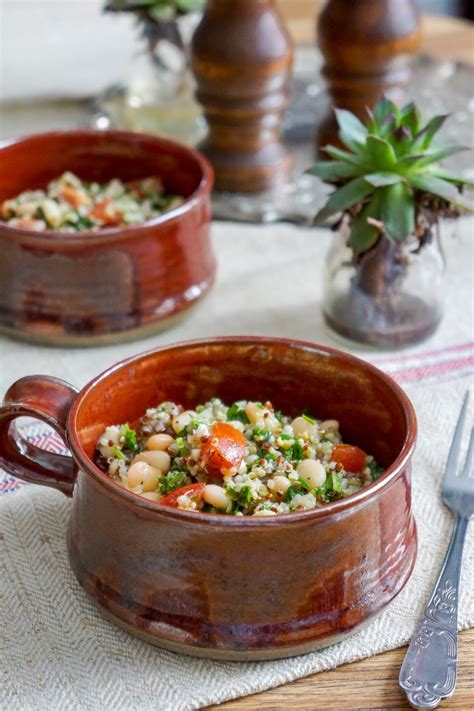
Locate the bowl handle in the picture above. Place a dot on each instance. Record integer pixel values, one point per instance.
(47, 399)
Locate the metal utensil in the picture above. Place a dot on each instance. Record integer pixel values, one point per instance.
(428, 672)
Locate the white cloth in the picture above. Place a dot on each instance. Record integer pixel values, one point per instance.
(57, 652)
(62, 48)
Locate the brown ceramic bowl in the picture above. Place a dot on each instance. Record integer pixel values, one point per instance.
(118, 283)
(223, 586)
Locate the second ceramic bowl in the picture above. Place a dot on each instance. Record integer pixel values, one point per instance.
(119, 283)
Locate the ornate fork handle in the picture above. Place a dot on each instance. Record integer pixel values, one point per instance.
(428, 672)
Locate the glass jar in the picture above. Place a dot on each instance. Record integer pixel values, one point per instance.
(391, 295)
(157, 95)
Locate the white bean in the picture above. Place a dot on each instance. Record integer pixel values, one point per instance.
(152, 496)
(254, 412)
(216, 496)
(156, 459)
(312, 472)
(301, 426)
(142, 473)
(180, 422)
(159, 442)
(282, 484)
(264, 512)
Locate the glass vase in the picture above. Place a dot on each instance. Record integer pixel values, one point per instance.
(157, 95)
(389, 296)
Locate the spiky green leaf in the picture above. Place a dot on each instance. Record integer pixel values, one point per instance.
(411, 118)
(380, 153)
(363, 234)
(332, 170)
(352, 131)
(442, 188)
(378, 180)
(426, 135)
(451, 177)
(384, 110)
(398, 211)
(439, 153)
(345, 197)
(340, 154)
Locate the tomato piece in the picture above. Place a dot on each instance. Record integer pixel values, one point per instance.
(192, 490)
(351, 458)
(102, 213)
(74, 197)
(225, 448)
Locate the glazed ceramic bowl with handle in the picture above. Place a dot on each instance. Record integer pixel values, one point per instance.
(215, 585)
(85, 288)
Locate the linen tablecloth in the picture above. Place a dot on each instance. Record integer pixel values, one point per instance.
(57, 652)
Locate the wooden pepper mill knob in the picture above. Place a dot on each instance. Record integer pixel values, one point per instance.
(242, 57)
(368, 47)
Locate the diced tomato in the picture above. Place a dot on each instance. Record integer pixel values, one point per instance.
(102, 213)
(74, 197)
(225, 448)
(351, 458)
(194, 491)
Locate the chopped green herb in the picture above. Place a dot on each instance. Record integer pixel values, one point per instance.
(242, 496)
(130, 437)
(118, 453)
(375, 470)
(309, 419)
(236, 413)
(286, 437)
(173, 480)
(261, 435)
(334, 482)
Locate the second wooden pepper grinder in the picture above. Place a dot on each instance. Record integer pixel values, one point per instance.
(241, 57)
(367, 47)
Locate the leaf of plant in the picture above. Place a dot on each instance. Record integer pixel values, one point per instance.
(432, 127)
(398, 211)
(411, 118)
(381, 155)
(190, 5)
(383, 109)
(439, 153)
(350, 194)
(339, 154)
(332, 170)
(409, 160)
(381, 179)
(448, 175)
(162, 14)
(442, 188)
(352, 131)
(364, 235)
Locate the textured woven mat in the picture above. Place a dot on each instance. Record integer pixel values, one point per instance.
(57, 652)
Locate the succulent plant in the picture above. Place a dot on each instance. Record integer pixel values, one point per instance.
(389, 179)
(158, 16)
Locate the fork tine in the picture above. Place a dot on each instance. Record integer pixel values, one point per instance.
(453, 457)
(467, 470)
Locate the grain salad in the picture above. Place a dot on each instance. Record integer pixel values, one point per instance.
(69, 204)
(245, 459)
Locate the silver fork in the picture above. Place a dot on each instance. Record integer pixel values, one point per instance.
(428, 672)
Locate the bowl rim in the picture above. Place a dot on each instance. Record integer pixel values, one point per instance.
(293, 518)
(113, 233)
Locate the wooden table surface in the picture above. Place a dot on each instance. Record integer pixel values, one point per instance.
(371, 683)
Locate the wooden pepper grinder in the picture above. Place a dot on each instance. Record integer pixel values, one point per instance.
(368, 47)
(242, 57)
